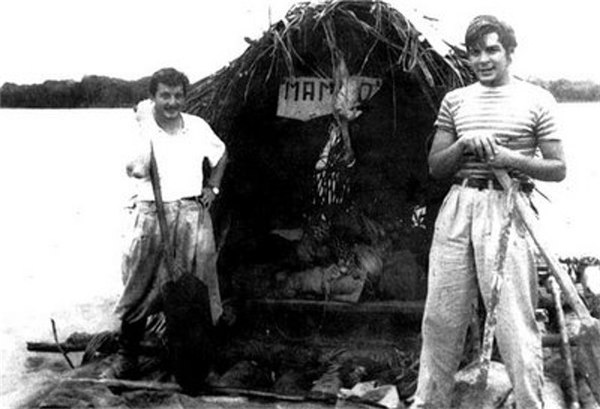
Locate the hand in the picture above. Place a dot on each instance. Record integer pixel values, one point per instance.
(482, 144)
(504, 158)
(207, 197)
(139, 162)
(139, 168)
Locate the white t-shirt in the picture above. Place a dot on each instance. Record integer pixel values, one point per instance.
(179, 157)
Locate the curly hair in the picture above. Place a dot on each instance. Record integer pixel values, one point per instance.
(170, 77)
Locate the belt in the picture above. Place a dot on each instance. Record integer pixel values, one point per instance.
(193, 198)
(480, 183)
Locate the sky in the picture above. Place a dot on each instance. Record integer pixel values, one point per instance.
(130, 39)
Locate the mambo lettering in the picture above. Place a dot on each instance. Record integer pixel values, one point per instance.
(306, 98)
(307, 90)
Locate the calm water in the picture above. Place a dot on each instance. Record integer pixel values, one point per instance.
(62, 218)
(571, 217)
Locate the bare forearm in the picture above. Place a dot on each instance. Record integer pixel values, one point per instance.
(550, 167)
(445, 162)
(548, 170)
(216, 174)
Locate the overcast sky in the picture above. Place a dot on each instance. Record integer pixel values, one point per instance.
(67, 39)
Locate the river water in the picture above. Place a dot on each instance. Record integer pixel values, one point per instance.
(63, 216)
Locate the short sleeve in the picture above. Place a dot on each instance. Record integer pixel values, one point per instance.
(546, 127)
(214, 148)
(445, 120)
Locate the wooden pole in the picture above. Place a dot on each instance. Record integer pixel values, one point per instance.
(590, 327)
(62, 351)
(565, 348)
(492, 307)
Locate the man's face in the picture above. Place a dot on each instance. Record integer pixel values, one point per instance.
(168, 101)
(490, 61)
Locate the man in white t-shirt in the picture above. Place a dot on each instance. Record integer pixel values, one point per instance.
(181, 143)
(498, 122)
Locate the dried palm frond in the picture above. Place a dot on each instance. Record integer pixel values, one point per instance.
(372, 37)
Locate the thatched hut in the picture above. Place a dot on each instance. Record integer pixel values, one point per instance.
(356, 187)
(395, 70)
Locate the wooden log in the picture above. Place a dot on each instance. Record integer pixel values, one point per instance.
(53, 347)
(565, 347)
(128, 385)
(554, 340)
(407, 308)
(67, 346)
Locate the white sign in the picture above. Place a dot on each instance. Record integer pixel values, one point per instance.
(305, 98)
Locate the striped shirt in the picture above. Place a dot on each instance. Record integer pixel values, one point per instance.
(520, 114)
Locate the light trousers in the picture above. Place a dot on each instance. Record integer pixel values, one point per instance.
(461, 262)
(144, 269)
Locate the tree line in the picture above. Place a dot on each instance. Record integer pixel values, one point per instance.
(91, 92)
(570, 91)
(104, 92)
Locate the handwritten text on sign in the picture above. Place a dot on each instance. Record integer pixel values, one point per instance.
(305, 98)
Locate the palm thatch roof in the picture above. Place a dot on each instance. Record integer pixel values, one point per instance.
(374, 38)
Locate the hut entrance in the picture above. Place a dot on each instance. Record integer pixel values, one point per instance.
(301, 205)
(329, 200)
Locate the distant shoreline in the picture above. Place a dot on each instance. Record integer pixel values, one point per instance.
(131, 107)
(91, 92)
(106, 92)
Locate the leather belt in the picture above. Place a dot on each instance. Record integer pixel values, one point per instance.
(480, 183)
(193, 198)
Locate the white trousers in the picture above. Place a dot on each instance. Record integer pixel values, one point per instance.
(464, 248)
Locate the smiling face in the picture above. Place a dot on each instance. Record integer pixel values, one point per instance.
(168, 102)
(490, 61)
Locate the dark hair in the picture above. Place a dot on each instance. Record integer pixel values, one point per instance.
(485, 24)
(170, 77)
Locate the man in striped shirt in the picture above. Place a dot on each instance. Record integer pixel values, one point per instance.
(500, 122)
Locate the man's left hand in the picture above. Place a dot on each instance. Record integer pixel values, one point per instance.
(208, 197)
(503, 158)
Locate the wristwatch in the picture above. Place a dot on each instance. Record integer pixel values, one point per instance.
(215, 190)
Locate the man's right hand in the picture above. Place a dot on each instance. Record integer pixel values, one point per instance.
(138, 165)
(139, 169)
(483, 145)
